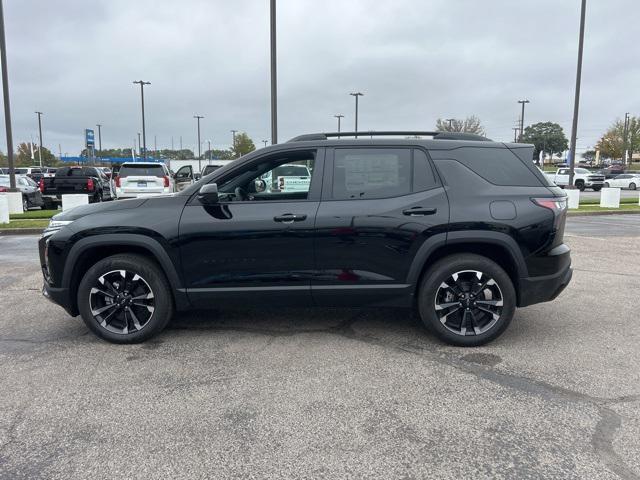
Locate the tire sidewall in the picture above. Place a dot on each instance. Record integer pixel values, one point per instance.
(440, 272)
(151, 273)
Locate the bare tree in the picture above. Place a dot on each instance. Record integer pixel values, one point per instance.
(468, 125)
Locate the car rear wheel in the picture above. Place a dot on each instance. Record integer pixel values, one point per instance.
(125, 299)
(466, 300)
(580, 185)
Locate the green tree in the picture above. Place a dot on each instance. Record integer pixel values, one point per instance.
(611, 144)
(243, 145)
(23, 157)
(547, 137)
(468, 125)
(218, 154)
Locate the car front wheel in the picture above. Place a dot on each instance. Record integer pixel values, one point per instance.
(466, 300)
(125, 299)
(632, 186)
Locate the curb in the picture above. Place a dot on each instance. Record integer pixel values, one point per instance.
(21, 231)
(577, 213)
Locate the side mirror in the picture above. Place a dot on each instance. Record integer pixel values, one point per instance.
(259, 185)
(208, 194)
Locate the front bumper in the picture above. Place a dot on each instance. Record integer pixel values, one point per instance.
(59, 296)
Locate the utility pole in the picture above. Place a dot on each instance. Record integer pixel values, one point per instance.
(139, 148)
(234, 138)
(209, 143)
(274, 75)
(99, 137)
(576, 102)
(40, 130)
(523, 102)
(357, 94)
(625, 136)
(339, 117)
(7, 106)
(144, 134)
(198, 117)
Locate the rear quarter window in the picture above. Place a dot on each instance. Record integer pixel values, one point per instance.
(499, 166)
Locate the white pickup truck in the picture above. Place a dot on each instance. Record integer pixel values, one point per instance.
(288, 178)
(582, 179)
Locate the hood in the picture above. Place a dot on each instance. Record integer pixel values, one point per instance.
(102, 207)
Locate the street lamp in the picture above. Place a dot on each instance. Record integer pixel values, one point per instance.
(99, 137)
(339, 117)
(625, 135)
(7, 106)
(357, 94)
(523, 102)
(198, 117)
(40, 130)
(144, 135)
(576, 101)
(139, 148)
(234, 138)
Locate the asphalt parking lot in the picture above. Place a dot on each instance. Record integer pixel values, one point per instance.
(270, 393)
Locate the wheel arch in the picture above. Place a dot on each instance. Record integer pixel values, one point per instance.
(88, 251)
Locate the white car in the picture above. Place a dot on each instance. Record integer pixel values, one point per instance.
(624, 180)
(142, 179)
(288, 178)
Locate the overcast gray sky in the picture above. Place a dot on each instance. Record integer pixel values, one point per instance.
(415, 61)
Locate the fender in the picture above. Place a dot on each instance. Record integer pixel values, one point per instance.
(422, 255)
(148, 243)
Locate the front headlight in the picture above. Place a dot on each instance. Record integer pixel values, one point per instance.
(54, 226)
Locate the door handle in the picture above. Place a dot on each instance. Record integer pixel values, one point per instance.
(419, 211)
(290, 218)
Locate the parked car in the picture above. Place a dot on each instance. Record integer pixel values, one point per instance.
(625, 180)
(75, 180)
(35, 173)
(143, 178)
(462, 228)
(31, 196)
(582, 179)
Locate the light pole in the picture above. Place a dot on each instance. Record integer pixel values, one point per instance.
(576, 101)
(7, 106)
(356, 94)
(198, 117)
(274, 75)
(40, 131)
(523, 102)
(234, 139)
(625, 135)
(144, 134)
(265, 143)
(339, 117)
(209, 143)
(515, 134)
(139, 148)
(99, 137)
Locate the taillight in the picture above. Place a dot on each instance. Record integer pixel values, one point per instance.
(558, 205)
(41, 185)
(118, 181)
(90, 184)
(166, 181)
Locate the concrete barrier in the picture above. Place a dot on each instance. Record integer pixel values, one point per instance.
(610, 198)
(573, 198)
(4, 209)
(15, 202)
(74, 200)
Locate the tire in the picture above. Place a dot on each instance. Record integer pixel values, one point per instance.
(606, 184)
(128, 321)
(597, 189)
(580, 186)
(481, 326)
(632, 186)
(25, 204)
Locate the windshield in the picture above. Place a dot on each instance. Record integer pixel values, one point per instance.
(582, 170)
(141, 171)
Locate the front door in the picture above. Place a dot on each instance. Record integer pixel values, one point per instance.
(379, 206)
(256, 243)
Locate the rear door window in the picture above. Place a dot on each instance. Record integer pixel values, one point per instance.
(141, 171)
(366, 173)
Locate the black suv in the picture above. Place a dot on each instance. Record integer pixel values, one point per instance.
(462, 228)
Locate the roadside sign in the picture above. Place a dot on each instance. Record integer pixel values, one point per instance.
(89, 138)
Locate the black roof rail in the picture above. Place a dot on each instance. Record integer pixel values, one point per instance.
(436, 135)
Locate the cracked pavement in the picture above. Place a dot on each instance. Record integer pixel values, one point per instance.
(330, 393)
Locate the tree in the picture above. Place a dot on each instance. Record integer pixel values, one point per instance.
(23, 158)
(468, 125)
(547, 137)
(218, 154)
(611, 144)
(243, 145)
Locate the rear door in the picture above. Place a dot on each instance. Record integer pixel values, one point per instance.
(379, 206)
(254, 245)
